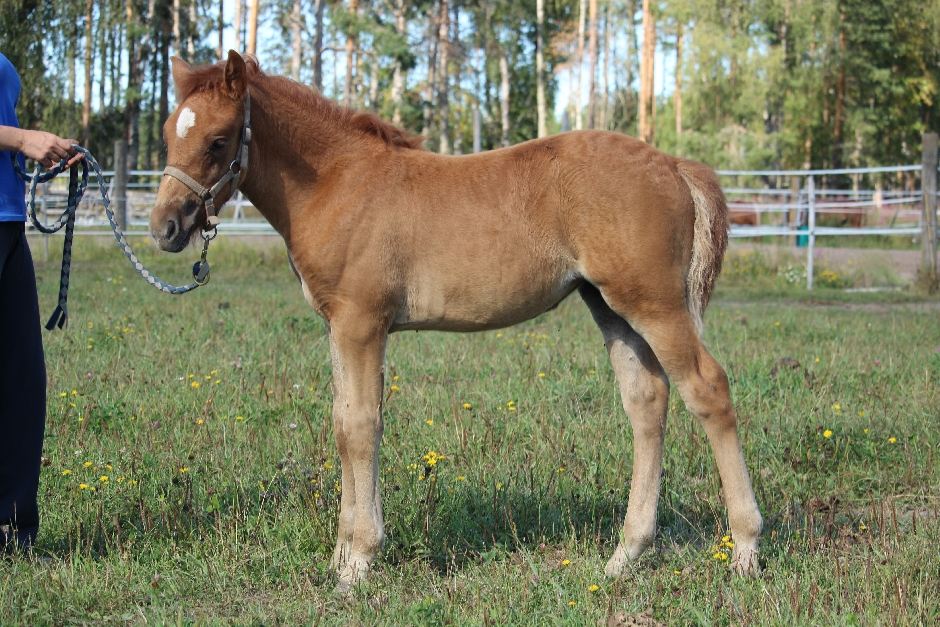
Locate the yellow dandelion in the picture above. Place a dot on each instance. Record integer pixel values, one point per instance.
(593, 588)
(892, 440)
(827, 433)
(63, 394)
(429, 422)
(591, 372)
(499, 485)
(195, 384)
(865, 430)
(862, 527)
(541, 374)
(460, 478)
(327, 465)
(466, 405)
(239, 417)
(74, 392)
(572, 603)
(82, 486)
(565, 562)
(184, 469)
(200, 421)
(395, 388)
(837, 407)
(103, 478)
(66, 472)
(87, 464)
(562, 469)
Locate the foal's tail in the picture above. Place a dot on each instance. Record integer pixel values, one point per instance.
(710, 237)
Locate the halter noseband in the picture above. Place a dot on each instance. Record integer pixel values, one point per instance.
(238, 165)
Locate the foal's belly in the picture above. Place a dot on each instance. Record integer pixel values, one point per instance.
(479, 303)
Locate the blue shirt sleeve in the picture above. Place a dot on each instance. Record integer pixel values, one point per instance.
(12, 187)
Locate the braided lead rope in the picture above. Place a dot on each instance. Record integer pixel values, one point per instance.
(201, 267)
(77, 189)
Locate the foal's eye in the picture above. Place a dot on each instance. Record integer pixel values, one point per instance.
(217, 145)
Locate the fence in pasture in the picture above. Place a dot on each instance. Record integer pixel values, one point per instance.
(797, 213)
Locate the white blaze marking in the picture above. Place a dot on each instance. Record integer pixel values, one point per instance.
(184, 122)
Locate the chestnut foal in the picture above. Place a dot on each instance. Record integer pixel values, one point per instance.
(385, 236)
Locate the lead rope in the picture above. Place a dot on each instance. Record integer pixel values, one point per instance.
(67, 219)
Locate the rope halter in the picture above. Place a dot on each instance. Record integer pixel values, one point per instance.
(235, 169)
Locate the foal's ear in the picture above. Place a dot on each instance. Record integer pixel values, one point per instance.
(181, 70)
(236, 75)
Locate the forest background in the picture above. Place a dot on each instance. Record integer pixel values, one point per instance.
(750, 84)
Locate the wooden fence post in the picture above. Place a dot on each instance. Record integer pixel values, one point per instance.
(119, 202)
(929, 221)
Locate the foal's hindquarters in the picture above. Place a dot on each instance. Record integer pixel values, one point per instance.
(642, 238)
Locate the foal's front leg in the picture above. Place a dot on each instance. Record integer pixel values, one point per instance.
(358, 371)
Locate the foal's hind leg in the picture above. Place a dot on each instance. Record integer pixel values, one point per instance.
(644, 390)
(703, 385)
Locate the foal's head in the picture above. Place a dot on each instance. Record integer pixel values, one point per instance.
(202, 139)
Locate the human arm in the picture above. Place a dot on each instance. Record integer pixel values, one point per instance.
(46, 148)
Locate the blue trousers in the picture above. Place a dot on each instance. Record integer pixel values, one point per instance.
(22, 390)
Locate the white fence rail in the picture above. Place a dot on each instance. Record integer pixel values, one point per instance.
(801, 213)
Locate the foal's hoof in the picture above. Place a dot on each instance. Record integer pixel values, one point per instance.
(618, 562)
(744, 563)
(351, 575)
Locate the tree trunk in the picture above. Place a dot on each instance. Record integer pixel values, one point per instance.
(164, 64)
(582, 16)
(102, 55)
(221, 26)
(295, 20)
(252, 26)
(443, 94)
(678, 89)
(504, 93)
(350, 51)
(131, 100)
(177, 36)
(646, 74)
(318, 45)
(193, 30)
(432, 69)
(398, 78)
(837, 133)
(237, 23)
(71, 58)
(540, 67)
(592, 79)
(605, 95)
(86, 105)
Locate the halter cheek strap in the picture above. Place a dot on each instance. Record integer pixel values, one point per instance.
(235, 169)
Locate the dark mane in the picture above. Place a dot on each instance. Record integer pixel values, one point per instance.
(208, 78)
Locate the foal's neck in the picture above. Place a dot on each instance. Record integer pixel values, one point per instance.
(296, 136)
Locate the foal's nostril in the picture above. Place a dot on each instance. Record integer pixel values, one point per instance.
(171, 229)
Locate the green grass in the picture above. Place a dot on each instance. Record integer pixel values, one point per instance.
(515, 523)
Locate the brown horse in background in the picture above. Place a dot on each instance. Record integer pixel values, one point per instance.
(385, 236)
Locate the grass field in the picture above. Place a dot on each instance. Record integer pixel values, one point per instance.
(191, 477)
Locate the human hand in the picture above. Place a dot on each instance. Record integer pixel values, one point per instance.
(49, 149)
